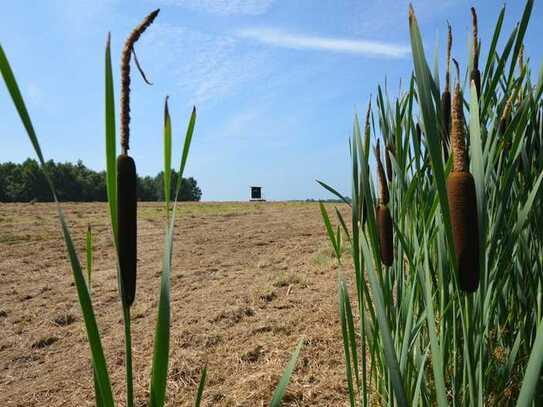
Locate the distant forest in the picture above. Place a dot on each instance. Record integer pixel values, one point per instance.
(74, 182)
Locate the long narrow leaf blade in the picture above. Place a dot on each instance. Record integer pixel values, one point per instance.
(281, 388)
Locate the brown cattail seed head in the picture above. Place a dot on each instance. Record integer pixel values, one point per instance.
(385, 231)
(384, 197)
(463, 206)
(127, 225)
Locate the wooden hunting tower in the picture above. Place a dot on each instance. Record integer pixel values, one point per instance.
(256, 194)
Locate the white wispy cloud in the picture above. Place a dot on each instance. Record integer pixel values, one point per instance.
(333, 44)
(224, 7)
(204, 66)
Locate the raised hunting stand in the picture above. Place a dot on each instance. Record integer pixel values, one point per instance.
(256, 194)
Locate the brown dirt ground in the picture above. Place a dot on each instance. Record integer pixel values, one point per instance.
(248, 281)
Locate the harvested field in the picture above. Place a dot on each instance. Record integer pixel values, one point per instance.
(249, 280)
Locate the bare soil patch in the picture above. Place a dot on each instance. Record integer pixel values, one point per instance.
(249, 280)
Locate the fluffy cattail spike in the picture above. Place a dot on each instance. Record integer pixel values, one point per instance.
(458, 134)
(127, 52)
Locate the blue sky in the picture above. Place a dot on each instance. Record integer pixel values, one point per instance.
(275, 82)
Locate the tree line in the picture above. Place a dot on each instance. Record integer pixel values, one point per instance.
(25, 182)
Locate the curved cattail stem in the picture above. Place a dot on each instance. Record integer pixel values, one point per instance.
(475, 75)
(128, 50)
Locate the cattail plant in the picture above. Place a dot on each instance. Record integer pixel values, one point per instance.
(446, 97)
(462, 200)
(382, 214)
(126, 176)
(475, 74)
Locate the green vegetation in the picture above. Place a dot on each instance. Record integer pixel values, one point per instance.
(76, 183)
(457, 319)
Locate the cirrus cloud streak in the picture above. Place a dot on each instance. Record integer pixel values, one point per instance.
(279, 38)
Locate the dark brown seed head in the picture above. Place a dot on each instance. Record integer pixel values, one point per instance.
(384, 197)
(127, 226)
(385, 231)
(475, 50)
(463, 206)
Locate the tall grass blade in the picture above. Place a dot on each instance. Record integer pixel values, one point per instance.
(93, 335)
(532, 374)
(111, 142)
(281, 388)
(201, 385)
(159, 372)
(167, 157)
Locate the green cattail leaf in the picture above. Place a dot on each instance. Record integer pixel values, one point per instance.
(492, 50)
(281, 388)
(347, 345)
(497, 74)
(159, 371)
(98, 359)
(378, 298)
(342, 222)
(533, 370)
(520, 35)
(329, 229)
(111, 144)
(167, 156)
(186, 148)
(333, 191)
(427, 106)
(478, 170)
(201, 386)
(88, 244)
